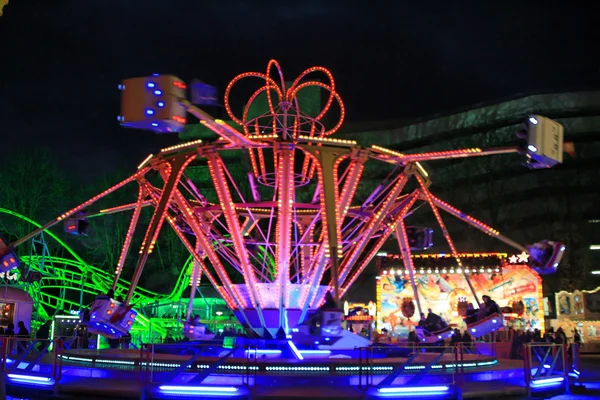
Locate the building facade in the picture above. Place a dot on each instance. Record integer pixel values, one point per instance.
(561, 203)
(526, 205)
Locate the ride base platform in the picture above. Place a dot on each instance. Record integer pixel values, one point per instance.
(135, 374)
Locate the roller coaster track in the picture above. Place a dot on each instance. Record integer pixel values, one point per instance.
(65, 279)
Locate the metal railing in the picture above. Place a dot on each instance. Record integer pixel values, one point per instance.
(30, 362)
(377, 368)
(546, 368)
(187, 368)
(575, 363)
(407, 372)
(182, 359)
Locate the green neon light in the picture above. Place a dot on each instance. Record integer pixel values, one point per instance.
(84, 267)
(268, 258)
(229, 342)
(52, 235)
(100, 281)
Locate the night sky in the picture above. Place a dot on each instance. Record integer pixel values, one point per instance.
(61, 60)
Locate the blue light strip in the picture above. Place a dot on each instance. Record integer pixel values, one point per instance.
(316, 352)
(294, 349)
(481, 364)
(547, 382)
(31, 379)
(258, 351)
(300, 355)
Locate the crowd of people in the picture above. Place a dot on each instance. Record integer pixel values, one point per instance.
(22, 332)
(520, 338)
(10, 330)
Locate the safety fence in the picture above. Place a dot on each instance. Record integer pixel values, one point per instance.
(551, 369)
(436, 371)
(30, 362)
(170, 369)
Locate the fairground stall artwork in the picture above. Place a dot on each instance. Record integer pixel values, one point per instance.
(282, 242)
(442, 287)
(578, 312)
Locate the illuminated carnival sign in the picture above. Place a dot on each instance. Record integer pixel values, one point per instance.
(11, 276)
(442, 286)
(522, 258)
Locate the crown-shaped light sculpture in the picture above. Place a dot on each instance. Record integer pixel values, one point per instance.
(284, 120)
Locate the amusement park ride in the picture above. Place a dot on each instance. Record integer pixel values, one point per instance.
(315, 233)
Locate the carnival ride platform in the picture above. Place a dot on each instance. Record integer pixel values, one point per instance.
(188, 370)
(231, 369)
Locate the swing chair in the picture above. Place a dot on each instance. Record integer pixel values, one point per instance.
(424, 335)
(476, 329)
(486, 325)
(428, 337)
(545, 255)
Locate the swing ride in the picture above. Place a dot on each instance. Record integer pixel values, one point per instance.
(285, 243)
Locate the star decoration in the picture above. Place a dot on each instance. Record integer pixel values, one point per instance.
(513, 259)
(523, 257)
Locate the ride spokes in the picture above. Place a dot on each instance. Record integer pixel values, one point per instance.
(276, 237)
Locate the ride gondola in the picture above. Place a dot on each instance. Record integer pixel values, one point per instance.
(428, 337)
(486, 325)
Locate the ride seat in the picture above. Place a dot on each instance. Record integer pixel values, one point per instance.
(486, 325)
(433, 337)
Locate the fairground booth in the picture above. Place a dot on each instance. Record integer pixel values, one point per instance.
(16, 305)
(579, 310)
(444, 288)
(360, 318)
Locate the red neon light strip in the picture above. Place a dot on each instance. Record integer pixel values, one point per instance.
(231, 303)
(201, 238)
(294, 88)
(438, 217)
(283, 230)
(407, 259)
(374, 223)
(219, 181)
(205, 245)
(337, 126)
(129, 236)
(269, 82)
(382, 239)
